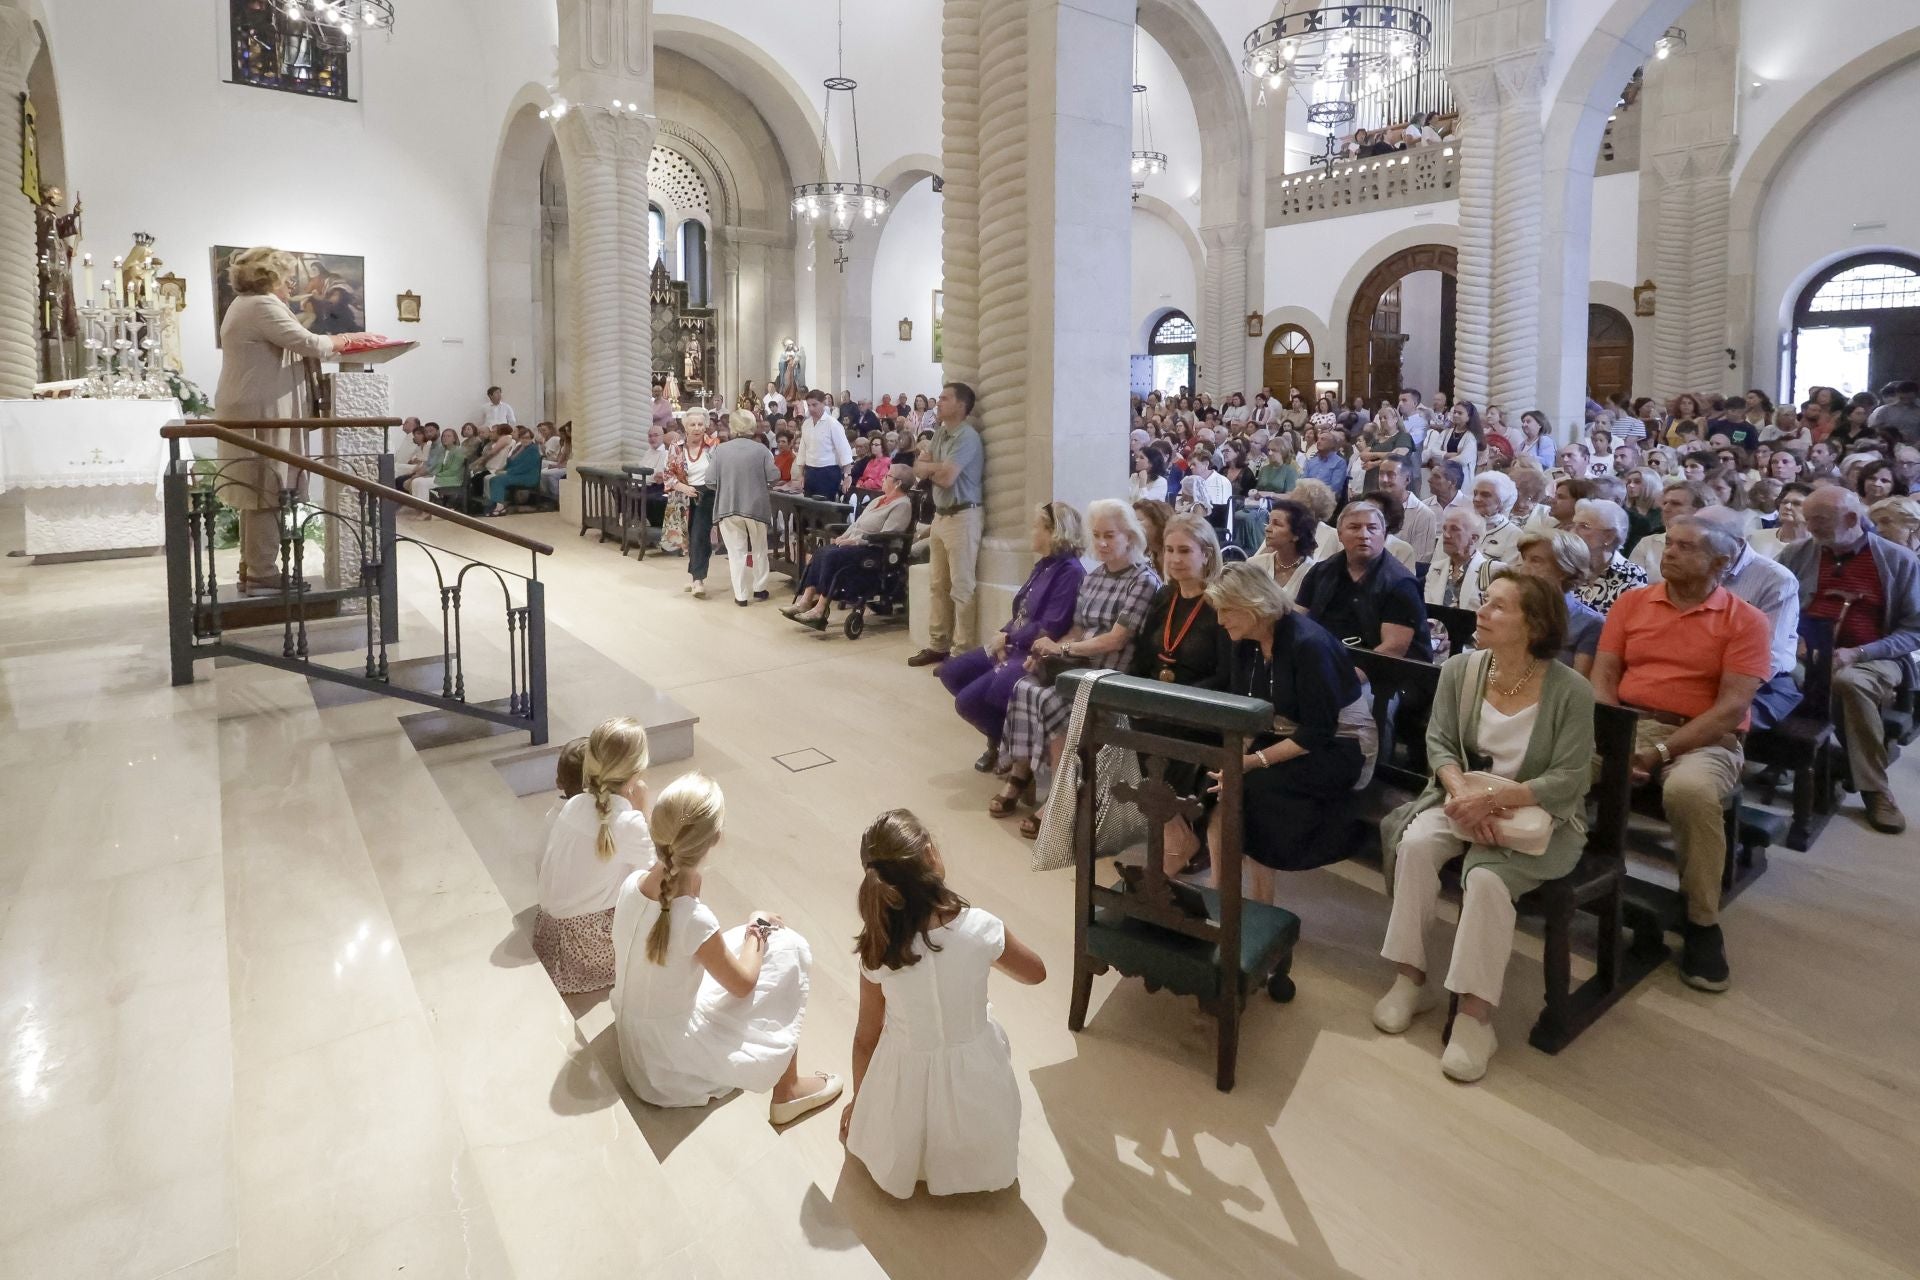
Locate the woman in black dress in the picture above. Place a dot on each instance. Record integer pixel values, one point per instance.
(1182, 642)
(1299, 779)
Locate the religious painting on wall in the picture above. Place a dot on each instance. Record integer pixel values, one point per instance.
(29, 150)
(273, 49)
(329, 291)
(939, 319)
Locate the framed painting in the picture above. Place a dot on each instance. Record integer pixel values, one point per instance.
(329, 291)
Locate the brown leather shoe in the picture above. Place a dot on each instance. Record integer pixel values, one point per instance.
(1883, 814)
(928, 658)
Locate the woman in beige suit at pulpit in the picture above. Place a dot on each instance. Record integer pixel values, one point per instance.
(262, 347)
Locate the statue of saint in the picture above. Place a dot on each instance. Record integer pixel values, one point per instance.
(57, 235)
(690, 360)
(673, 391)
(791, 372)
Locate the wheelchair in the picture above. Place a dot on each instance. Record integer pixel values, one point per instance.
(876, 580)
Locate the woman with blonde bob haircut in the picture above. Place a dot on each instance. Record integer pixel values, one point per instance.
(699, 1012)
(598, 839)
(263, 347)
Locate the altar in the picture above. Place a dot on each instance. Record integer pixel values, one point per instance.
(88, 470)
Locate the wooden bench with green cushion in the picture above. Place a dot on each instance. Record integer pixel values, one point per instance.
(1197, 942)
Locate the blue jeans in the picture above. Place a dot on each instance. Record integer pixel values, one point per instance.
(821, 482)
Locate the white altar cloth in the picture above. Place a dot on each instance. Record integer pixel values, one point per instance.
(90, 471)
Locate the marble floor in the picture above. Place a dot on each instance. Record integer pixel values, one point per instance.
(270, 1010)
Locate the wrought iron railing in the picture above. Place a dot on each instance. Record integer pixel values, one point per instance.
(204, 602)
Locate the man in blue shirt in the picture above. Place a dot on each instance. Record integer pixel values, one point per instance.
(955, 463)
(1329, 464)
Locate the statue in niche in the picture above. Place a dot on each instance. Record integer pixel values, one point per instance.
(57, 235)
(790, 374)
(691, 357)
(673, 390)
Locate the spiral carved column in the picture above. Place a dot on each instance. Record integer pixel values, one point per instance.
(1673, 248)
(19, 273)
(960, 196)
(1005, 278)
(1707, 339)
(1515, 348)
(1223, 310)
(1477, 92)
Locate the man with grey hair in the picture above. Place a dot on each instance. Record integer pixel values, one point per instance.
(1679, 497)
(1688, 654)
(1768, 586)
(1873, 601)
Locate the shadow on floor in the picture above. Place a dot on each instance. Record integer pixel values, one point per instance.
(989, 1236)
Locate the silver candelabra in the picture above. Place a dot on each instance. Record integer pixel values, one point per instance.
(121, 345)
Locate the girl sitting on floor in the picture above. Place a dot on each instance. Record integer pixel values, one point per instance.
(700, 1013)
(598, 839)
(936, 1099)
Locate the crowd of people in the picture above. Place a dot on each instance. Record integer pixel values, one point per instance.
(480, 467)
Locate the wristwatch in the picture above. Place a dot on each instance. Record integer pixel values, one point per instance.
(1666, 756)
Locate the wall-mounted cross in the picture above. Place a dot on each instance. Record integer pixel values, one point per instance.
(840, 258)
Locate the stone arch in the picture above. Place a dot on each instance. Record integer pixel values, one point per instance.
(758, 76)
(1620, 39)
(1619, 297)
(1366, 298)
(516, 290)
(1229, 288)
(853, 353)
(1755, 182)
(1334, 352)
(1326, 352)
(1155, 207)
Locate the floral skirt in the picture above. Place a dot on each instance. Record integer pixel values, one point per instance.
(577, 951)
(673, 528)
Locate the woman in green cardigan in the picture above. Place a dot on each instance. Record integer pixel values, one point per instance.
(1523, 723)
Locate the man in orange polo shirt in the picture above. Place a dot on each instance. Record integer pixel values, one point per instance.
(1690, 655)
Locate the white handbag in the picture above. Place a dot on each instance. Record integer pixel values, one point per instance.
(1527, 829)
(1117, 825)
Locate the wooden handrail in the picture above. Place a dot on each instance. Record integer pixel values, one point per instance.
(222, 431)
(298, 424)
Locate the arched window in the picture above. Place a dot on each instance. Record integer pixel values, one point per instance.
(1171, 345)
(1289, 362)
(1856, 326)
(692, 267)
(657, 233)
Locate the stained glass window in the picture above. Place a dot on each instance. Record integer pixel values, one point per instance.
(274, 51)
(1873, 286)
(1174, 331)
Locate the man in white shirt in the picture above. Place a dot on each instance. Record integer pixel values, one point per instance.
(1770, 587)
(822, 451)
(498, 412)
(1212, 493)
(774, 403)
(1419, 526)
(1678, 499)
(1413, 418)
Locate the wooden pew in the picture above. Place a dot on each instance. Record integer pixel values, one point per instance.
(1597, 884)
(1805, 742)
(1198, 942)
(800, 524)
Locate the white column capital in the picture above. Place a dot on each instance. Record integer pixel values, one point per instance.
(589, 133)
(1226, 236)
(1523, 75)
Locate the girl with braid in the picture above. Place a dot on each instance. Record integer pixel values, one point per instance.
(699, 1012)
(936, 1098)
(598, 839)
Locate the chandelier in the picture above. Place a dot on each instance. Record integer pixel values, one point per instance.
(341, 16)
(1674, 38)
(1366, 46)
(1146, 160)
(840, 204)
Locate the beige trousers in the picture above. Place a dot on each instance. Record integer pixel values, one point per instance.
(1691, 792)
(1860, 692)
(953, 559)
(745, 538)
(1484, 938)
(260, 543)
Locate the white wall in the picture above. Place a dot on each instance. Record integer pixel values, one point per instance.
(1839, 174)
(1420, 319)
(906, 271)
(1162, 274)
(1307, 262)
(1615, 246)
(399, 177)
(1176, 131)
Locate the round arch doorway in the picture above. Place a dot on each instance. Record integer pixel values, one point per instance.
(1609, 353)
(1856, 326)
(1171, 347)
(1400, 329)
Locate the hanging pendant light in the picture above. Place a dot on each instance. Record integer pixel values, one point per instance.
(335, 21)
(1146, 160)
(840, 205)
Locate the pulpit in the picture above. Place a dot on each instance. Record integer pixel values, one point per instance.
(358, 388)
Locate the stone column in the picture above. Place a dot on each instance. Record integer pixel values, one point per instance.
(1477, 94)
(1223, 311)
(19, 272)
(1515, 347)
(1673, 239)
(606, 56)
(1035, 242)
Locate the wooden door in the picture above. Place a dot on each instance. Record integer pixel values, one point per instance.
(1609, 353)
(1289, 362)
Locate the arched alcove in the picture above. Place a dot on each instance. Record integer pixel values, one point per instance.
(1375, 353)
(1856, 326)
(1173, 346)
(1288, 362)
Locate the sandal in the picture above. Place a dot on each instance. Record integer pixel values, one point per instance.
(1030, 827)
(1005, 805)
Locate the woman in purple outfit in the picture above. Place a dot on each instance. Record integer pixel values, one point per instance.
(982, 680)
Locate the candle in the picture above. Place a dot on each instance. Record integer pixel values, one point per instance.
(113, 285)
(86, 260)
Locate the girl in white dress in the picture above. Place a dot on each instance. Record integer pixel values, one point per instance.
(701, 1013)
(597, 840)
(936, 1100)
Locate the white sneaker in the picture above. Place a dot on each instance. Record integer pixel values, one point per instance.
(791, 1110)
(699, 591)
(688, 587)
(1404, 1002)
(1469, 1049)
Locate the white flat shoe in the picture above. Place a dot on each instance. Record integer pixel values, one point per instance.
(791, 1110)
(699, 591)
(1404, 1002)
(1469, 1049)
(688, 587)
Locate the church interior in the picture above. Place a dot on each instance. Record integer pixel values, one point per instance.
(376, 761)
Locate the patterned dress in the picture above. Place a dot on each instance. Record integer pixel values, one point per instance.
(1622, 576)
(673, 525)
(1107, 599)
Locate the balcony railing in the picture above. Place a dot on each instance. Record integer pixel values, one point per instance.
(1393, 181)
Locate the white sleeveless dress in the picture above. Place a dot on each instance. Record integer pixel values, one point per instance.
(683, 1040)
(940, 1103)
